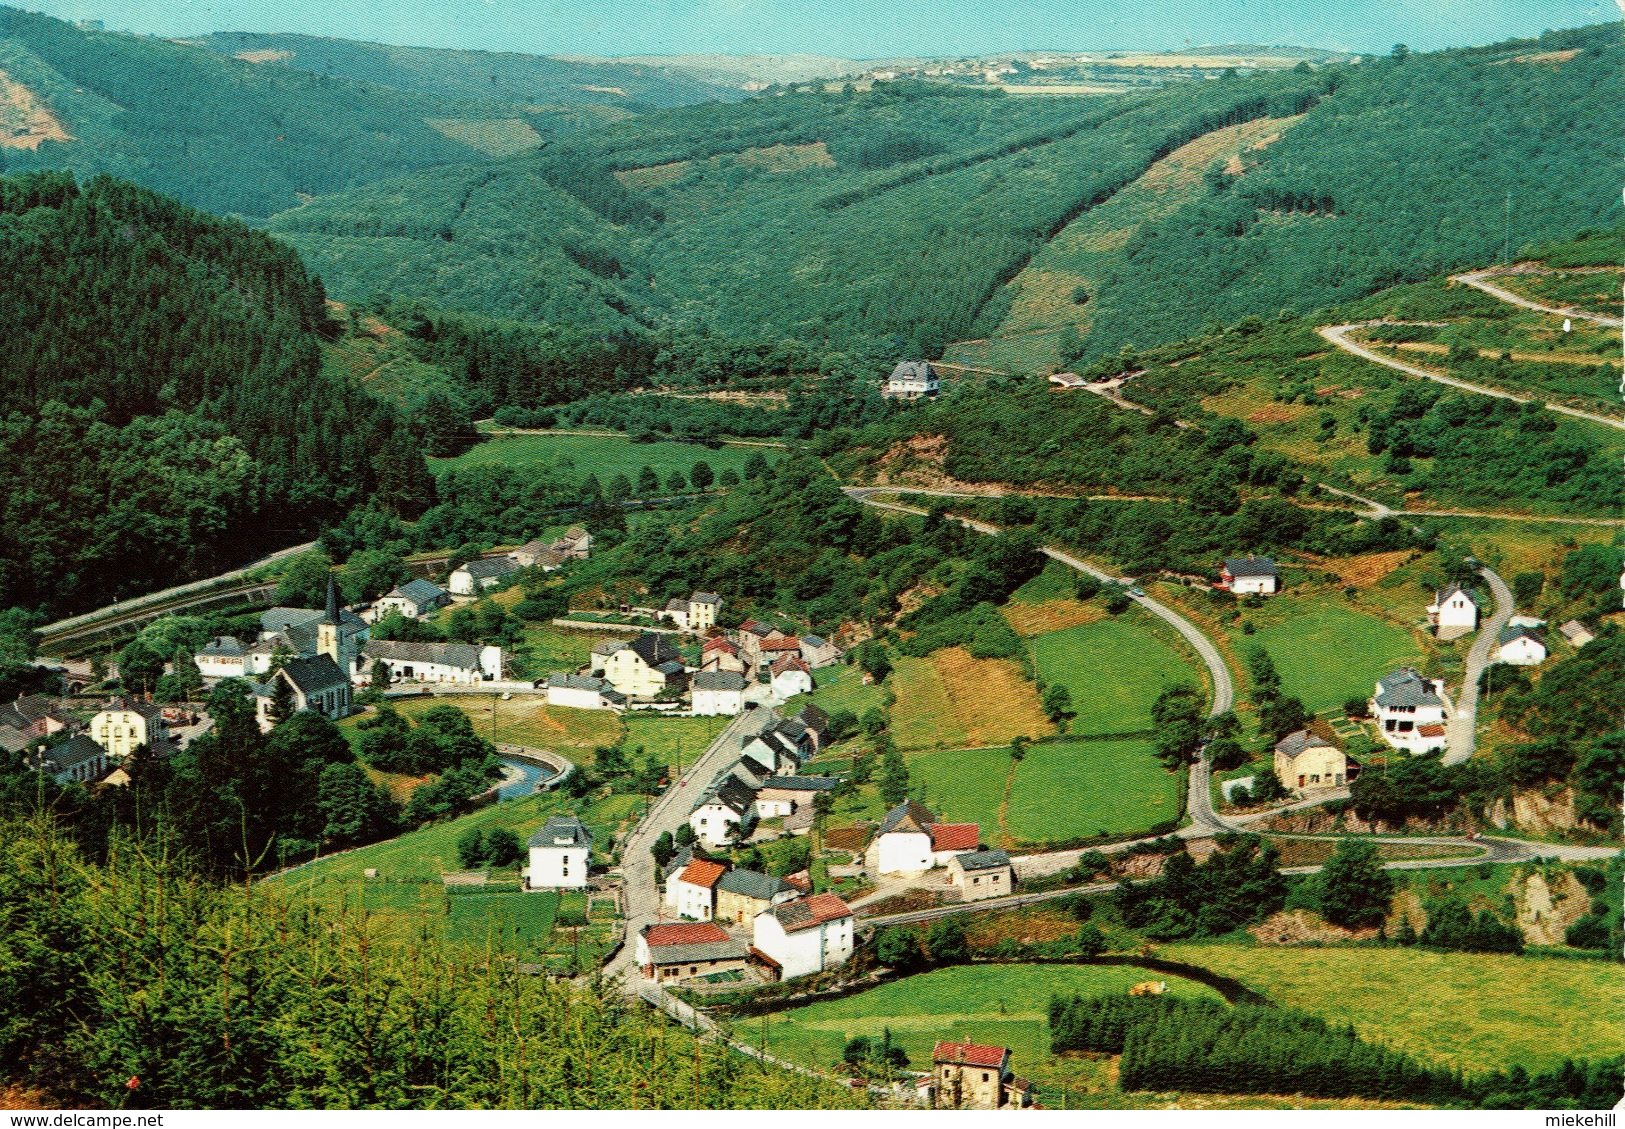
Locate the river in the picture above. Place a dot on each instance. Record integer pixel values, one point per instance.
(524, 777)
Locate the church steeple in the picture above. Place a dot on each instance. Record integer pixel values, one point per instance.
(327, 631)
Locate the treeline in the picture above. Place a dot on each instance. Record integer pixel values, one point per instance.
(1171, 1044)
(166, 410)
(126, 983)
(1238, 885)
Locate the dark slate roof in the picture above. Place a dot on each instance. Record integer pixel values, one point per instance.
(609, 647)
(224, 647)
(577, 682)
(655, 649)
(1251, 566)
(814, 719)
(281, 619)
(1508, 634)
(705, 598)
(14, 740)
(755, 767)
(801, 783)
(419, 592)
(315, 674)
(671, 667)
(718, 680)
(677, 604)
(70, 754)
(487, 567)
(910, 815)
(562, 831)
(913, 370)
(731, 793)
(35, 707)
(814, 641)
(1405, 688)
(1294, 743)
(1444, 594)
(678, 861)
(464, 656)
(752, 884)
(983, 860)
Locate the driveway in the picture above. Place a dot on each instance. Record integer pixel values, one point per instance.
(1464, 724)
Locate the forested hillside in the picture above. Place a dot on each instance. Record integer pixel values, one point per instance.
(216, 132)
(165, 408)
(897, 215)
(480, 76)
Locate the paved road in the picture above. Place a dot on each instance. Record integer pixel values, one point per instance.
(1479, 280)
(1464, 726)
(1199, 800)
(643, 891)
(1339, 335)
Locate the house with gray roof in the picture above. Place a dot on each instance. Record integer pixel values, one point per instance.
(742, 894)
(560, 853)
(1409, 711)
(668, 952)
(717, 693)
(1520, 645)
(463, 664)
(912, 380)
(481, 575)
(982, 874)
(1249, 575)
(318, 684)
(782, 796)
(412, 600)
(583, 692)
(76, 760)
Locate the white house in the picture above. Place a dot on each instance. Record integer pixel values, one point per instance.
(718, 693)
(791, 676)
(718, 815)
(804, 936)
(902, 842)
(1453, 612)
(560, 854)
(1249, 575)
(1409, 711)
(412, 600)
(583, 692)
(692, 891)
(462, 664)
(1520, 646)
(912, 380)
(222, 657)
(478, 575)
(125, 724)
(644, 668)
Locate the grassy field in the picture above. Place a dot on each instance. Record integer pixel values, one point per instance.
(923, 717)
(604, 456)
(840, 687)
(669, 739)
(1113, 668)
(521, 721)
(556, 649)
(1326, 650)
(1004, 1005)
(1477, 1011)
(1078, 788)
(964, 785)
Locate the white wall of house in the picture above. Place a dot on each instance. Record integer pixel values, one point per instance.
(575, 699)
(688, 900)
(402, 670)
(1457, 611)
(628, 673)
(1522, 651)
(220, 666)
(974, 885)
(789, 683)
(713, 824)
(1262, 585)
(121, 732)
(558, 868)
(718, 703)
(900, 852)
(804, 951)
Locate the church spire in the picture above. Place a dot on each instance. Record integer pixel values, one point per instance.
(332, 601)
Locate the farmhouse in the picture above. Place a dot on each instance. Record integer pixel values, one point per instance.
(816, 722)
(805, 936)
(791, 676)
(1409, 711)
(1067, 380)
(981, 874)
(691, 892)
(1520, 646)
(1306, 762)
(1248, 575)
(786, 795)
(77, 760)
(975, 1076)
(583, 692)
(458, 663)
(720, 654)
(718, 693)
(646, 667)
(781, 746)
(1453, 612)
(909, 840)
(412, 600)
(702, 612)
(125, 724)
(722, 811)
(479, 575)
(538, 554)
(912, 380)
(742, 894)
(818, 652)
(668, 953)
(225, 657)
(560, 854)
(575, 543)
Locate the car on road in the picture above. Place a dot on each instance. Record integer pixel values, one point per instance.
(1136, 591)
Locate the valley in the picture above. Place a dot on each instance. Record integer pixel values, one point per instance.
(795, 582)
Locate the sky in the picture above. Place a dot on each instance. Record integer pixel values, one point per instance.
(850, 28)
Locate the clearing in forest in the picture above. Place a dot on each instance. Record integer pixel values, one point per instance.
(495, 137)
(25, 121)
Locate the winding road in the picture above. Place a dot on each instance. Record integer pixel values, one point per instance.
(1479, 280)
(1464, 726)
(1338, 335)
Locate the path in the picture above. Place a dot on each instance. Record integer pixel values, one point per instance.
(1199, 800)
(494, 430)
(1338, 335)
(1479, 280)
(1464, 726)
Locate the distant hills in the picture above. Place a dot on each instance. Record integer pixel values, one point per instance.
(900, 214)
